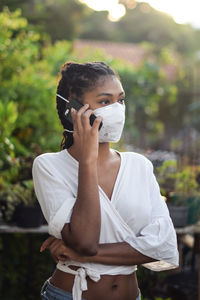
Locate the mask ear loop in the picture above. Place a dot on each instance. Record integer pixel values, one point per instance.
(66, 100)
(67, 130)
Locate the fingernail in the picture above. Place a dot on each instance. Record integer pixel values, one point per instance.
(72, 110)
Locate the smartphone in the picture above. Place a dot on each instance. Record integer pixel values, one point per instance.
(76, 105)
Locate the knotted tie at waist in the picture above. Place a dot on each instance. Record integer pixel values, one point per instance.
(80, 281)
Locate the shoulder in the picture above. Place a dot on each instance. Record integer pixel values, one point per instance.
(137, 158)
(48, 160)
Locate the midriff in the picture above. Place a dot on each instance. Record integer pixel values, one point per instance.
(109, 287)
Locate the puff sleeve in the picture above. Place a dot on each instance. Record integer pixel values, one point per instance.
(55, 198)
(158, 238)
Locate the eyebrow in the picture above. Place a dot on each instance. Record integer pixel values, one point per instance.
(108, 94)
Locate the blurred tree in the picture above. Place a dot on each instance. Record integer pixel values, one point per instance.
(60, 19)
(141, 23)
(96, 26)
(70, 19)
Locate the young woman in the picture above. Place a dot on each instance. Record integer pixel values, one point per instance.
(103, 207)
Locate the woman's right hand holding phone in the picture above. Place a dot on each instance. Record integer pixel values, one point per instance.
(85, 135)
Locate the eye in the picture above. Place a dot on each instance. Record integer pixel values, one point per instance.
(121, 101)
(104, 102)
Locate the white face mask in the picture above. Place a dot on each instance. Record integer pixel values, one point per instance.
(113, 122)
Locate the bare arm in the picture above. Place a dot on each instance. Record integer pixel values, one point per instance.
(118, 254)
(82, 233)
(109, 254)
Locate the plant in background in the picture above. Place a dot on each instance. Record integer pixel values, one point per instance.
(185, 185)
(9, 164)
(26, 82)
(187, 192)
(14, 195)
(165, 175)
(181, 186)
(178, 183)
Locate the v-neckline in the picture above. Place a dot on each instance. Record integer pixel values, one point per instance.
(116, 180)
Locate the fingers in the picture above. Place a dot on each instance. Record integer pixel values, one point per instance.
(73, 115)
(81, 118)
(76, 117)
(47, 243)
(57, 251)
(97, 123)
(86, 118)
(55, 246)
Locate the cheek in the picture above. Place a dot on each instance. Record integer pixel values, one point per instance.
(90, 102)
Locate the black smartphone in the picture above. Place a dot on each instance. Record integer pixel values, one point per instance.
(77, 105)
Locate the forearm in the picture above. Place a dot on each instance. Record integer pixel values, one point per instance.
(84, 229)
(118, 254)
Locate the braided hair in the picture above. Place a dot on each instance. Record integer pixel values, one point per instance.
(76, 79)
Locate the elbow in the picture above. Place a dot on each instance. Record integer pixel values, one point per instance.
(81, 247)
(77, 244)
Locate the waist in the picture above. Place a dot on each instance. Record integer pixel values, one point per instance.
(106, 287)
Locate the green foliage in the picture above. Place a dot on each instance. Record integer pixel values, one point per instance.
(145, 87)
(15, 194)
(165, 175)
(8, 164)
(179, 184)
(19, 47)
(27, 87)
(185, 182)
(55, 55)
(60, 19)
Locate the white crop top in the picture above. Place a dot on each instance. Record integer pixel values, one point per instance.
(136, 213)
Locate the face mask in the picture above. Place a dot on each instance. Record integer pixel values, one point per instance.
(113, 122)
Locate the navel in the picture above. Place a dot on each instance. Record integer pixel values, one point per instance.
(114, 286)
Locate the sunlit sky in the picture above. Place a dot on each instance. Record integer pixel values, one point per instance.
(183, 11)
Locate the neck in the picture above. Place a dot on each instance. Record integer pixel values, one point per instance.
(103, 154)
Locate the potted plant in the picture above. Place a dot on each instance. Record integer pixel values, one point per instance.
(181, 188)
(8, 202)
(165, 175)
(19, 205)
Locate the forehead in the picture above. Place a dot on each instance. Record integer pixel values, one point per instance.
(108, 85)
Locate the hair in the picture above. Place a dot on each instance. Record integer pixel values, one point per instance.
(75, 80)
